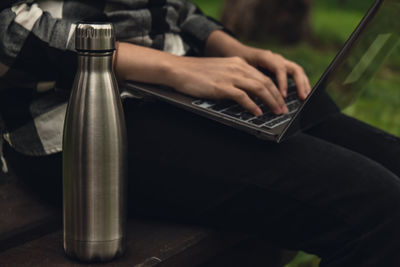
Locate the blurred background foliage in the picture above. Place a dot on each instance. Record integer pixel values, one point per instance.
(330, 23)
(326, 26)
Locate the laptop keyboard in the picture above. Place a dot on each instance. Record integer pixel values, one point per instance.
(268, 120)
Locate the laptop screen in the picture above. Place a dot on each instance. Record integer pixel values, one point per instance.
(366, 51)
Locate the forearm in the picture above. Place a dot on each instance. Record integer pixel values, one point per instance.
(142, 64)
(148, 65)
(221, 44)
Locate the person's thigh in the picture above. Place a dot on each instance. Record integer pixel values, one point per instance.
(362, 138)
(305, 193)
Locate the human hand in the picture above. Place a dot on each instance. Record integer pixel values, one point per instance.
(226, 78)
(220, 44)
(281, 67)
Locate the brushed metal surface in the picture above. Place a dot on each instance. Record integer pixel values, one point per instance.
(95, 37)
(94, 251)
(94, 163)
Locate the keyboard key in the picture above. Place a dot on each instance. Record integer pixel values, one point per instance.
(258, 101)
(291, 87)
(268, 116)
(291, 98)
(270, 125)
(203, 103)
(265, 109)
(283, 119)
(268, 120)
(246, 116)
(198, 102)
(275, 123)
(293, 106)
(235, 111)
(222, 105)
(257, 122)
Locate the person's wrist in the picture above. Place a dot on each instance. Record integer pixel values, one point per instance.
(247, 53)
(171, 70)
(239, 50)
(252, 55)
(221, 44)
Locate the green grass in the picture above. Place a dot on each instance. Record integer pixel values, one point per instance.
(379, 104)
(212, 8)
(303, 259)
(333, 34)
(332, 24)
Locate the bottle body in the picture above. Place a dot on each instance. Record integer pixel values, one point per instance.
(94, 163)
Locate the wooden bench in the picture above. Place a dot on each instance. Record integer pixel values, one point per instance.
(31, 235)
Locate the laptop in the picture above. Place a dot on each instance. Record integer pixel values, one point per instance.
(338, 87)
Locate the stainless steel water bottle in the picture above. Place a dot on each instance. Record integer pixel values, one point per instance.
(94, 152)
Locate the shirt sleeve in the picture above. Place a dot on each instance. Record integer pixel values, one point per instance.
(196, 27)
(36, 49)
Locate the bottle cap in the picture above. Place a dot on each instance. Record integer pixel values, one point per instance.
(95, 37)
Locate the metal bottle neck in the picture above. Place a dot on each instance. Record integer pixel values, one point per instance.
(98, 62)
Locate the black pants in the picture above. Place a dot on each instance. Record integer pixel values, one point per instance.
(333, 191)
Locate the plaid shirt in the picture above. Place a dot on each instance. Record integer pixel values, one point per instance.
(38, 62)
